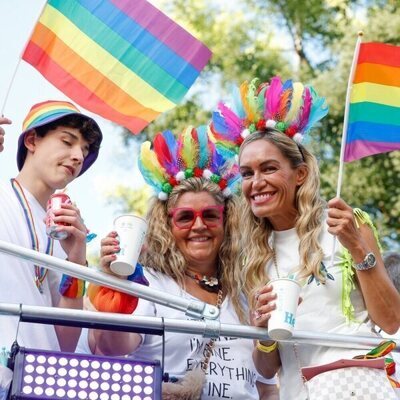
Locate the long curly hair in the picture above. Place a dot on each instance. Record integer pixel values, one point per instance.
(162, 254)
(256, 252)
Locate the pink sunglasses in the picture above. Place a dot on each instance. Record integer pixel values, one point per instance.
(185, 217)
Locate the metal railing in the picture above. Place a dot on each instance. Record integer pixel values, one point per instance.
(207, 326)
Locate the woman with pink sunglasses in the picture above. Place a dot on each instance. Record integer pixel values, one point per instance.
(191, 247)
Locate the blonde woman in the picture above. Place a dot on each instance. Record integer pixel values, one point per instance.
(288, 230)
(191, 247)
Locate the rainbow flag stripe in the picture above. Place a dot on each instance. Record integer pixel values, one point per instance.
(122, 59)
(374, 117)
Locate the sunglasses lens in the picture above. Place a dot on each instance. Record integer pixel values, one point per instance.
(184, 218)
(211, 216)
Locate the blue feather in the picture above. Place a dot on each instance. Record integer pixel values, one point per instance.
(219, 161)
(202, 137)
(219, 122)
(171, 143)
(237, 103)
(287, 85)
(318, 110)
(225, 151)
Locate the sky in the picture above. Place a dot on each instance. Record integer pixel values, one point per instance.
(18, 18)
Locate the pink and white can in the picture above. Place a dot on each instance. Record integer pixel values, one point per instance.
(54, 203)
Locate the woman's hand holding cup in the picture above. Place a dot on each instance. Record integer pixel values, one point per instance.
(108, 250)
(103, 298)
(264, 304)
(276, 306)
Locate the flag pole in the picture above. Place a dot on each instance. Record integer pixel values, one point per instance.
(3, 106)
(345, 126)
(346, 113)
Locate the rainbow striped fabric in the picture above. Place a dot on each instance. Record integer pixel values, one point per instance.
(43, 113)
(374, 117)
(122, 59)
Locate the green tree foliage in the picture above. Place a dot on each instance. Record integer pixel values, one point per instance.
(312, 40)
(311, 23)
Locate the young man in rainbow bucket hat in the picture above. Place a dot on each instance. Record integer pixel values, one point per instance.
(57, 144)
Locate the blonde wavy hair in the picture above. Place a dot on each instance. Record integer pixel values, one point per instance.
(256, 232)
(162, 254)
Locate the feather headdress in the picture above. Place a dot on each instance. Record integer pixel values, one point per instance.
(191, 154)
(289, 107)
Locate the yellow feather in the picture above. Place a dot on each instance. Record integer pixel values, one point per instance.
(252, 99)
(189, 149)
(297, 102)
(244, 90)
(150, 162)
(211, 135)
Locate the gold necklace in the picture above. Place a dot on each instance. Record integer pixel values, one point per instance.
(210, 345)
(275, 263)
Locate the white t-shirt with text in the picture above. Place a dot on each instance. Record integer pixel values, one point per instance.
(231, 373)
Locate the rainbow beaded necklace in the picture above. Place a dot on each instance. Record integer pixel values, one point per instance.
(40, 272)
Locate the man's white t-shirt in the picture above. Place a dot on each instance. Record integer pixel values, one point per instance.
(17, 276)
(231, 373)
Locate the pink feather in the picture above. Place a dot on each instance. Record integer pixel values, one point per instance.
(304, 114)
(273, 94)
(232, 121)
(163, 153)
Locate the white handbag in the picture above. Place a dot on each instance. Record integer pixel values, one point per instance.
(349, 380)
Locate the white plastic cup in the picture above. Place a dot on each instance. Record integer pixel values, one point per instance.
(283, 318)
(131, 231)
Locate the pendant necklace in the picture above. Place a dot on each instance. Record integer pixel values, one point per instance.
(211, 284)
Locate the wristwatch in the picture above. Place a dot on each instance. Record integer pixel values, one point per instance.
(368, 263)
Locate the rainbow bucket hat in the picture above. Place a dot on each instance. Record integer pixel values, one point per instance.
(48, 111)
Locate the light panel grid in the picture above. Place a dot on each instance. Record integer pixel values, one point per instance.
(40, 374)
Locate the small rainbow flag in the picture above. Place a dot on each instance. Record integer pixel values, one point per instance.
(374, 116)
(122, 59)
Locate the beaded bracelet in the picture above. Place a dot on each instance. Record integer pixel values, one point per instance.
(71, 287)
(266, 349)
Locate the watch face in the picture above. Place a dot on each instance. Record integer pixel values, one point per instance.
(371, 260)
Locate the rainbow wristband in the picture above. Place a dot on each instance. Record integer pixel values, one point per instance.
(73, 288)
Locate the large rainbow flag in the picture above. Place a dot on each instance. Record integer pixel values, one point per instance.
(122, 59)
(374, 116)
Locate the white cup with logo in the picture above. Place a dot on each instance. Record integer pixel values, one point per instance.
(283, 318)
(131, 231)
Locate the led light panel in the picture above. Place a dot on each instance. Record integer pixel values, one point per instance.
(40, 374)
